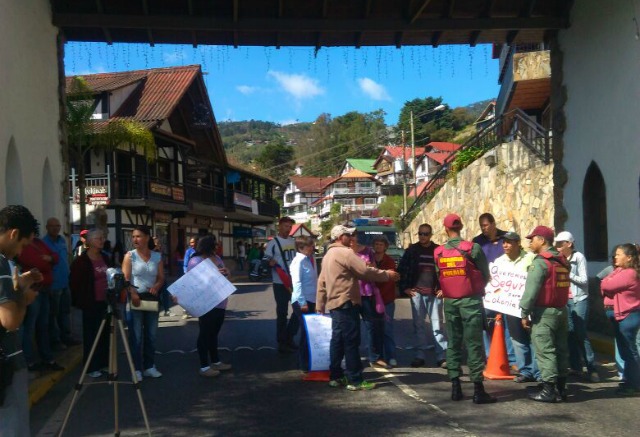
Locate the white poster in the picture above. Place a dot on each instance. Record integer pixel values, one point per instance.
(202, 288)
(319, 337)
(505, 289)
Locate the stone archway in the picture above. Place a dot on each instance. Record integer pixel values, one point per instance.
(594, 213)
(13, 181)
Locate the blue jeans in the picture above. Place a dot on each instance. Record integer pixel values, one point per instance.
(345, 343)
(60, 321)
(488, 336)
(626, 334)
(423, 305)
(579, 345)
(143, 327)
(285, 331)
(618, 358)
(522, 348)
(374, 327)
(36, 322)
(303, 345)
(389, 339)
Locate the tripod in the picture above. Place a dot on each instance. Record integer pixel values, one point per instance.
(112, 317)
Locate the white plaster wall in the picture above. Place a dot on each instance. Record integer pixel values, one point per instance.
(601, 67)
(29, 102)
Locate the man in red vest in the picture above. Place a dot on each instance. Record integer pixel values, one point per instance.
(463, 272)
(544, 311)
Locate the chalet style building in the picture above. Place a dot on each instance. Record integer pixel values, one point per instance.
(190, 188)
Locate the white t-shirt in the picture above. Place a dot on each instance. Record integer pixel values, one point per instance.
(273, 252)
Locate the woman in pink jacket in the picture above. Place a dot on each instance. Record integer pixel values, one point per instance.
(622, 286)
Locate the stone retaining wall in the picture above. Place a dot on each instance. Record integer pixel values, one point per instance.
(517, 189)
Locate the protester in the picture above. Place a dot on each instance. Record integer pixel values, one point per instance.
(578, 308)
(372, 308)
(339, 292)
(420, 282)
(242, 254)
(515, 258)
(60, 316)
(165, 297)
(623, 286)
(388, 294)
(304, 278)
(280, 252)
(17, 228)
(81, 245)
(490, 241)
(143, 268)
(463, 272)
(608, 309)
(188, 253)
(211, 322)
(544, 311)
(88, 282)
(37, 255)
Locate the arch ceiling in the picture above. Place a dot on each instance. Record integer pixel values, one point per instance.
(314, 23)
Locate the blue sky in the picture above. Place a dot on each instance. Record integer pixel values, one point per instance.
(292, 84)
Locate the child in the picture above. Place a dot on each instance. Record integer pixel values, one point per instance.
(304, 276)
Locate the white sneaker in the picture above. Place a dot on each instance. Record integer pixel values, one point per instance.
(138, 375)
(95, 374)
(152, 372)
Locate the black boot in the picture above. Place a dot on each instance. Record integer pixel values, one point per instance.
(456, 390)
(561, 385)
(547, 394)
(480, 396)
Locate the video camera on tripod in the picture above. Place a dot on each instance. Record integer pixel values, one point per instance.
(117, 287)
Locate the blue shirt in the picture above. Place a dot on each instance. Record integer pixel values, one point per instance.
(492, 249)
(144, 274)
(190, 251)
(304, 276)
(61, 269)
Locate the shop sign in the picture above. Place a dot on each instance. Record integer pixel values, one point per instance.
(159, 189)
(177, 194)
(241, 200)
(240, 232)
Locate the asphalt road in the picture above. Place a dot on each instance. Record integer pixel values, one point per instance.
(264, 393)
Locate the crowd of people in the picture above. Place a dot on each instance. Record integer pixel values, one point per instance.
(445, 284)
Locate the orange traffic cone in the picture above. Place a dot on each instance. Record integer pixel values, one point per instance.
(498, 364)
(318, 375)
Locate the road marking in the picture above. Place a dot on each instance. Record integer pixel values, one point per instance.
(404, 388)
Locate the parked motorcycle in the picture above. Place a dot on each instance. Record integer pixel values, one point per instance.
(260, 271)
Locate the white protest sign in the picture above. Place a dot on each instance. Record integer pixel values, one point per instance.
(505, 289)
(319, 337)
(202, 288)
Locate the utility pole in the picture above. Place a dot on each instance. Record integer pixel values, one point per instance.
(404, 179)
(413, 153)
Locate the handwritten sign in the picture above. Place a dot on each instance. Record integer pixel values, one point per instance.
(319, 337)
(201, 288)
(505, 289)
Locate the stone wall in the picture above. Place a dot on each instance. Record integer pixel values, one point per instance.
(517, 190)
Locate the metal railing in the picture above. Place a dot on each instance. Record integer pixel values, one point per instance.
(206, 194)
(514, 125)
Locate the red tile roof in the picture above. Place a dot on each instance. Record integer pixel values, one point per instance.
(438, 157)
(156, 96)
(310, 184)
(396, 151)
(441, 146)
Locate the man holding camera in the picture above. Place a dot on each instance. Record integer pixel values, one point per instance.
(17, 228)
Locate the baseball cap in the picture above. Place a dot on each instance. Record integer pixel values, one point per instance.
(339, 230)
(452, 221)
(565, 236)
(542, 231)
(84, 232)
(287, 219)
(512, 236)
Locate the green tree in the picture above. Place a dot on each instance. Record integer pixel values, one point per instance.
(276, 160)
(84, 135)
(391, 207)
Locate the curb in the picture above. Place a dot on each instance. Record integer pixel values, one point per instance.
(41, 385)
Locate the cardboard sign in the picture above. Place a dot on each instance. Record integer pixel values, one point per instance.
(318, 339)
(505, 289)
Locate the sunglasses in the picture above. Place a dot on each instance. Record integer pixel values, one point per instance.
(424, 234)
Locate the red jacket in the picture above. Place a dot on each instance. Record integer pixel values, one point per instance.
(387, 289)
(31, 257)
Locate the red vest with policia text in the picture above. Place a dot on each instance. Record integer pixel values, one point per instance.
(459, 277)
(555, 291)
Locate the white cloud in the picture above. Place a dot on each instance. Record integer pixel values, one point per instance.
(96, 70)
(288, 122)
(172, 58)
(246, 89)
(373, 89)
(299, 86)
